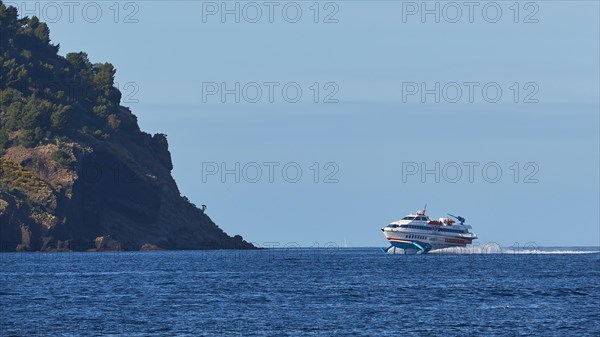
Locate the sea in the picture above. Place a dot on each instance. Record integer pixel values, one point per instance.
(302, 292)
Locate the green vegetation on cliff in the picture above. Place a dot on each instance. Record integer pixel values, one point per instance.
(44, 95)
(16, 179)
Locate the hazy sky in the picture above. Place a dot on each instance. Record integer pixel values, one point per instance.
(372, 132)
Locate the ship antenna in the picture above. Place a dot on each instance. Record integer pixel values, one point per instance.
(425, 209)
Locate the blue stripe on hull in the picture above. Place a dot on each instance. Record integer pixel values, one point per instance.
(404, 245)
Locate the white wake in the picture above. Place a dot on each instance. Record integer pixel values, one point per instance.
(495, 249)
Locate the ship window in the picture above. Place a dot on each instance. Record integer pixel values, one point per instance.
(408, 218)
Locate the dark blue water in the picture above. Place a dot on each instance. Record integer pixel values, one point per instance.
(341, 292)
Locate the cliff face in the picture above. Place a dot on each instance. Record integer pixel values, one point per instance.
(76, 172)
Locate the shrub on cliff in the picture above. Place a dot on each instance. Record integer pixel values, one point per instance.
(3, 139)
(63, 158)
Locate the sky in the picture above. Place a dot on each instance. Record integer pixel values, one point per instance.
(319, 123)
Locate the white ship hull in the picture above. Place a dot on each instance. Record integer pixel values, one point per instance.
(405, 239)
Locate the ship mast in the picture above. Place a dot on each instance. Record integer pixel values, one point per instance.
(422, 212)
